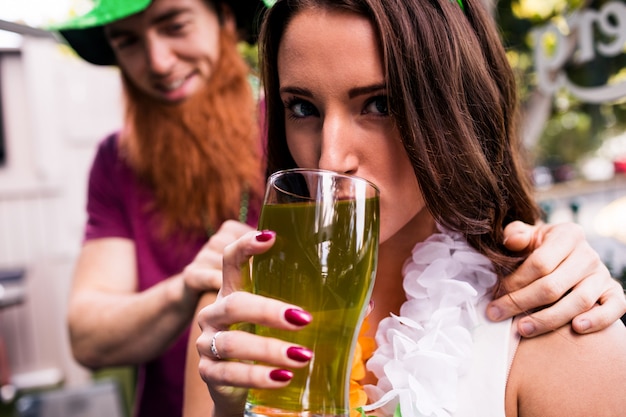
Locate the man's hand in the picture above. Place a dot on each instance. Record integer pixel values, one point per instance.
(563, 272)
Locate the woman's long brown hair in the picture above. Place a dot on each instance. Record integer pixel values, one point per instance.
(453, 97)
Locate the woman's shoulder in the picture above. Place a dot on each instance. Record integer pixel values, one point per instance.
(562, 373)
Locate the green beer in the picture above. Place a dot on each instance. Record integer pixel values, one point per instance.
(323, 260)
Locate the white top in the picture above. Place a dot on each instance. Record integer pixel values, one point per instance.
(442, 357)
(482, 389)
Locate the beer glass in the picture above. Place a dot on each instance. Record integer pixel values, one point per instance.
(324, 261)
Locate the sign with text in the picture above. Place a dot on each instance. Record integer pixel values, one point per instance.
(588, 32)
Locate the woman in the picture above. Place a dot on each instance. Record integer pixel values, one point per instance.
(431, 120)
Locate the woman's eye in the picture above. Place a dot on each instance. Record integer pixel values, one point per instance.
(377, 105)
(301, 108)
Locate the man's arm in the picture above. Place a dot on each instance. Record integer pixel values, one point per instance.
(110, 322)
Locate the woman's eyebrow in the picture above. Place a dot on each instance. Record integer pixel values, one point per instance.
(368, 89)
(353, 92)
(295, 90)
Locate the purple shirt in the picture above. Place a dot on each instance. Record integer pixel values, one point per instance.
(116, 208)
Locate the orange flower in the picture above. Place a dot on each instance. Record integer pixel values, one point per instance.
(364, 349)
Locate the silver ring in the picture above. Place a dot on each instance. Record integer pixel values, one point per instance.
(214, 351)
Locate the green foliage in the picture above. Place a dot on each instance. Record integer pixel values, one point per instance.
(250, 54)
(565, 138)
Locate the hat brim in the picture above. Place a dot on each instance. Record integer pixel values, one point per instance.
(89, 41)
(104, 12)
(90, 44)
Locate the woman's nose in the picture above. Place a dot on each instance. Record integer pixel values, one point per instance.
(337, 152)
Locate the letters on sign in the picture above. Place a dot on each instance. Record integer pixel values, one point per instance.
(610, 20)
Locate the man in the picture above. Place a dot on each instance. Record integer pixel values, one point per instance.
(186, 160)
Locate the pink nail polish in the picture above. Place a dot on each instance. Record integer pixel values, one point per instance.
(265, 235)
(299, 354)
(297, 317)
(281, 375)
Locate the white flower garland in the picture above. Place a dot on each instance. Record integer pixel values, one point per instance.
(423, 352)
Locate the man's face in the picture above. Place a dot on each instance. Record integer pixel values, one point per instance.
(169, 50)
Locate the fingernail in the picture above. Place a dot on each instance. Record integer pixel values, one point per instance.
(299, 354)
(527, 328)
(297, 317)
(583, 325)
(281, 375)
(507, 237)
(494, 313)
(264, 235)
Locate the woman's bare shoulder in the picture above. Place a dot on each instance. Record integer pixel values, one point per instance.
(563, 373)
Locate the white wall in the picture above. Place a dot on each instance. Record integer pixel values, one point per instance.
(56, 109)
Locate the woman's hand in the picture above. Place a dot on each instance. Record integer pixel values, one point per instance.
(562, 272)
(233, 360)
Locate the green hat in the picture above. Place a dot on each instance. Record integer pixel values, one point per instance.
(85, 34)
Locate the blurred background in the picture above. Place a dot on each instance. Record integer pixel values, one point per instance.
(54, 109)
